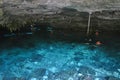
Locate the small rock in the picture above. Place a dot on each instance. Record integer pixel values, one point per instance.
(51, 48)
(33, 79)
(1, 77)
(116, 74)
(79, 64)
(113, 78)
(97, 78)
(77, 68)
(35, 62)
(118, 70)
(45, 77)
(39, 72)
(36, 57)
(101, 78)
(53, 69)
(79, 74)
(72, 63)
(77, 58)
(70, 78)
(88, 77)
(86, 70)
(57, 79)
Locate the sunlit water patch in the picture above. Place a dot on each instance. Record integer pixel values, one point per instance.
(31, 58)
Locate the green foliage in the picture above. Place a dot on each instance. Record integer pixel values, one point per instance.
(15, 22)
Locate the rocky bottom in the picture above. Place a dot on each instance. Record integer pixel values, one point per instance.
(58, 60)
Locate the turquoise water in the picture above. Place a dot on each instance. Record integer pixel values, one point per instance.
(57, 57)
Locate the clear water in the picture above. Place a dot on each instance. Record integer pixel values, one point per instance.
(45, 57)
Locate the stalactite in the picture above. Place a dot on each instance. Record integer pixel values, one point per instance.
(89, 19)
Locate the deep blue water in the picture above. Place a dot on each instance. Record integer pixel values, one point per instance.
(59, 57)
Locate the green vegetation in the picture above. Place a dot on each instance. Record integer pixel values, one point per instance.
(14, 23)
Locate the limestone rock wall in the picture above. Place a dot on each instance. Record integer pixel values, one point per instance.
(1, 11)
(59, 13)
(52, 6)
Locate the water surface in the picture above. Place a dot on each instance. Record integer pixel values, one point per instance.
(59, 56)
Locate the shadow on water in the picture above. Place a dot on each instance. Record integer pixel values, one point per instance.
(31, 36)
(110, 40)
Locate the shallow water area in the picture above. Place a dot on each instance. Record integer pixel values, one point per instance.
(35, 57)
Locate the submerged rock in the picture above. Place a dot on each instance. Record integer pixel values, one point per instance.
(53, 69)
(13, 78)
(37, 74)
(33, 79)
(111, 78)
(36, 57)
(86, 70)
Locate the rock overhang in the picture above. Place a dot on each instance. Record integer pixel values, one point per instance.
(55, 6)
(58, 12)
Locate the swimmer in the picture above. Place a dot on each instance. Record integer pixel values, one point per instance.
(96, 33)
(98, 43)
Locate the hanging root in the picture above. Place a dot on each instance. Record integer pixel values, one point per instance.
(89, 19)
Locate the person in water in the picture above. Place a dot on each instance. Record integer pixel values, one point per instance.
(98, 42)
(94, 38)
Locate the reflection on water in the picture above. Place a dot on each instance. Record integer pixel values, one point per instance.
(59, 55)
